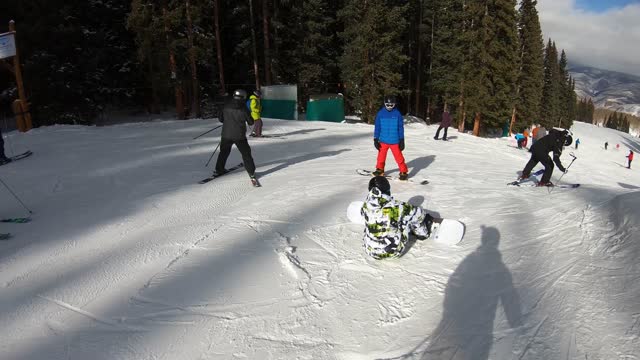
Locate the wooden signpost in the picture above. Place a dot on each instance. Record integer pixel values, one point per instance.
(8, 49)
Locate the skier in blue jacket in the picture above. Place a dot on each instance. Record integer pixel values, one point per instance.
(389, 134)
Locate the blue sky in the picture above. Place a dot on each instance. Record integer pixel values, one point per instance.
(595, 32)
(602, 5)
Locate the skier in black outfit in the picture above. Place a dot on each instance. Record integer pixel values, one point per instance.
(234, 119)
(3, 158)
(554, 141)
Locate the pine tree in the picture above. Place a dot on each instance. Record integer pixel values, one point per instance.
(550, 91)
(373, 58)
(318, 49)
(531, 75)
(590, 111)
(448, 50)
(475, 90)
(504, 56)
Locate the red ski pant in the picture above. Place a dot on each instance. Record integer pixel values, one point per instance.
(397, 154)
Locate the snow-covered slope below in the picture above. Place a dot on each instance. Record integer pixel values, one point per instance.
(127, 257)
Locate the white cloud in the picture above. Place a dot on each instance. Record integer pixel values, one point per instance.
(608, 40)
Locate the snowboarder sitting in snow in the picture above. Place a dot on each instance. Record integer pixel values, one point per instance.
(388, 222)
(554, 141)
(389, 134)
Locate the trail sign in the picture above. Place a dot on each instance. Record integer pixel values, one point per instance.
(7, 45)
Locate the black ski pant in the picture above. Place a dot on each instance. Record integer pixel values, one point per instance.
(545, 159)
(2, 155)
(444, 137)
(245, 150)
(629, 166)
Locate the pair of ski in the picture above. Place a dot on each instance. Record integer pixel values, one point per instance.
(531, 181)
(17, 157)
(215, 175)
(22, 220)
(364, 172)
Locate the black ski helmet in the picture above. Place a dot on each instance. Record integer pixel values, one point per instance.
(567, 137)
(257, 93)
(239, 94)
(390, 99)
(381, 183)
(568, 140)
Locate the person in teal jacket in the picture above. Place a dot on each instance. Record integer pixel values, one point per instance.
(389, 134)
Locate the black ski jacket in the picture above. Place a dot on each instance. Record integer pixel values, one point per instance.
(234, 119)
(554, 141)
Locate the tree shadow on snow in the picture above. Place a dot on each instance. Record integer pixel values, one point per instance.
(298, 159)
(627, 186)
(470, 303)
(418, 164)
(296, 132)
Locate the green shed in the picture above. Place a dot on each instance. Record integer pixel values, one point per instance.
(280, 102)
(325, 107)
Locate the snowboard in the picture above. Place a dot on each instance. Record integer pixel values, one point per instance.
(16, 220)
(364, 172)
(443, 231)
(18, 157)
(562, 186)
(216, 175)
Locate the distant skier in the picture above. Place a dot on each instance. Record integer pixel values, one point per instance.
(444, 124)
(606, 145)
(255, 106)
(389, 134)
(542, 132)
(3, 158)
(617, 146)
(534, 134)
(235, 118)
(630, 157)
(520, 139)
(553, 142)
(388, 222)
(577, 143)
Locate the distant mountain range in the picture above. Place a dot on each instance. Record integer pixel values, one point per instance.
(608, 89)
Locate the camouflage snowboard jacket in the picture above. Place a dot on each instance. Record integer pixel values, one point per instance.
(388, 223)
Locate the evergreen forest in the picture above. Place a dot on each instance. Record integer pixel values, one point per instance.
(484, 60)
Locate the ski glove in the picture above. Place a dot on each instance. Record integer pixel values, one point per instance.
(376, 143)
(561, 168)
(401, 144)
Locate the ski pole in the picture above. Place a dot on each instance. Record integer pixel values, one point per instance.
(214, 151)
(16, 196)
(204, 133)
(567, 169)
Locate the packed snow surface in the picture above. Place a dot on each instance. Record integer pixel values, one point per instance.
(127, 257)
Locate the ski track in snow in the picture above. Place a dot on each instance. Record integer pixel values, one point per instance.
(127, 257)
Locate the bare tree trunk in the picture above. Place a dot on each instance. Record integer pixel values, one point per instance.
(419, 62)
(195, 100)
(172, 67)
(255, 46)
(433, 21)
(461, 108)
(216, 16)
(476, 125)
(267, 47)
(513, 120)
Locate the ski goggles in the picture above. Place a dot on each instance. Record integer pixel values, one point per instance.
(389, 106)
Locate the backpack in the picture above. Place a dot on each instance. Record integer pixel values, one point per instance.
(249, 105)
